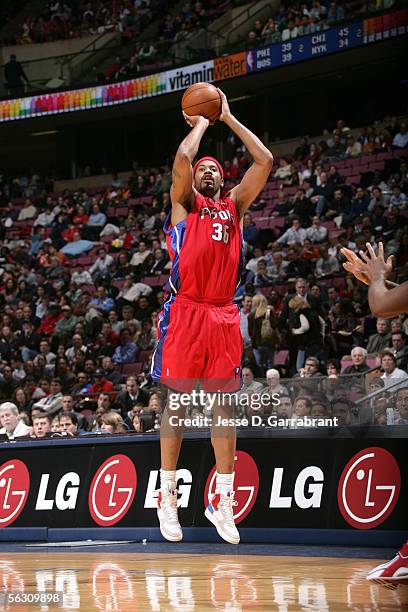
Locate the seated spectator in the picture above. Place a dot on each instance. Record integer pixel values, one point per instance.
(28, 211)
(358, 357)
(41, 426)
(101, 384)
(132, 395)
(302, 406)
(295, 234)
(100, 267)
(11, 423)
(126, 352)
(277, 269)
(52, 402)
(316, 232)
(102, 302)
(250, 231)
(249, 384)
(360, 202)
(400, 139)
(342, 410)
(381, 340)
(400, 349)
(401, 404)
(326, 265)
(274, 385)
(391, 373)
(262, 278)
(112, 422)
(354, 148)
(69, 423)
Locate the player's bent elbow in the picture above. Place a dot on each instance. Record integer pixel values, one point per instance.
(267, 160)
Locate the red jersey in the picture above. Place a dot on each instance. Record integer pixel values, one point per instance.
(207, 251)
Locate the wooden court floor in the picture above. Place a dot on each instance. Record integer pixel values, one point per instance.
(186, 582)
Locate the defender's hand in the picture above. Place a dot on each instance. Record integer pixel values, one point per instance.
(225, 109)
(192, 121)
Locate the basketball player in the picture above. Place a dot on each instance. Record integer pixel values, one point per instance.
(199, 330)
(385, 302)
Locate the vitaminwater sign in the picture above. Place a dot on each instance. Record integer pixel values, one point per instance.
(319, 44)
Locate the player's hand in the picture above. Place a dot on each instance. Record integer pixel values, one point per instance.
(377, 268)
(355, 266)
(225, 109)
(194, 120)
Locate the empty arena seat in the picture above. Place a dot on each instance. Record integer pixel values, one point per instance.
(132, 369)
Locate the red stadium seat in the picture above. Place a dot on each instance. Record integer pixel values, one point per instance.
(132, 369)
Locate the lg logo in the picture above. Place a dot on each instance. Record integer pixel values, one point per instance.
(369, 488)
(112, 490)
(14, 488)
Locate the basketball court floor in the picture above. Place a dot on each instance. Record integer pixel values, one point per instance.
(152, 576)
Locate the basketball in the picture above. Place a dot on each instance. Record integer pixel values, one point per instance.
(202, 99)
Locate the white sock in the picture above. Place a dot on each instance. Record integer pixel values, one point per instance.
(168, 480)
(224, 483)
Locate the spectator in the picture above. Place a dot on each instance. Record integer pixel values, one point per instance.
(391, 372)
(249, 384)
(101, 384)
(401, 404)
(305, 327)
(295, 234)
(316, 232)
(400, 140)
(11, 422)
(326, 265)
(112, 422)
(132, 395)
(262, 327)
(52, 402)
(381, 340)
(126, 352)
(358, 358)
(14, 76)
(400, 349)
(41, 426)
(342, 411)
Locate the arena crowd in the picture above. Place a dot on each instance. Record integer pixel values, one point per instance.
(82, 275)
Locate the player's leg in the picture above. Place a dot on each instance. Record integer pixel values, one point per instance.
(223, 372)
(171, 435)
(392, 573)
(178, 361)
(220, 510)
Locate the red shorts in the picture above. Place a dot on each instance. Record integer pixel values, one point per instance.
(198, 343)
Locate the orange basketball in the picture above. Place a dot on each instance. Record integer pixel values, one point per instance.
(202, 99)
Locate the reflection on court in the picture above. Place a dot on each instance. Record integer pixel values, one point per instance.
(124, 581)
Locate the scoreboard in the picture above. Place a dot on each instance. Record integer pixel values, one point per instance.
(325, 42)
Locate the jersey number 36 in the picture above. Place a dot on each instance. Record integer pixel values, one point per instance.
(221, 232)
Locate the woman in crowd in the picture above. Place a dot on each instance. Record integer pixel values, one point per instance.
(263, 330)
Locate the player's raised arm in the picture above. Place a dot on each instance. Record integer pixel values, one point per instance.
(373, 270)
(182, 190)
(257, 175)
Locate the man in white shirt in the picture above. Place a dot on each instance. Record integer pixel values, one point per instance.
(81, 277)
(140, 255)
(316, 232)
(102, 263)
(391, 373)
(11, 423)
(296, 233)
